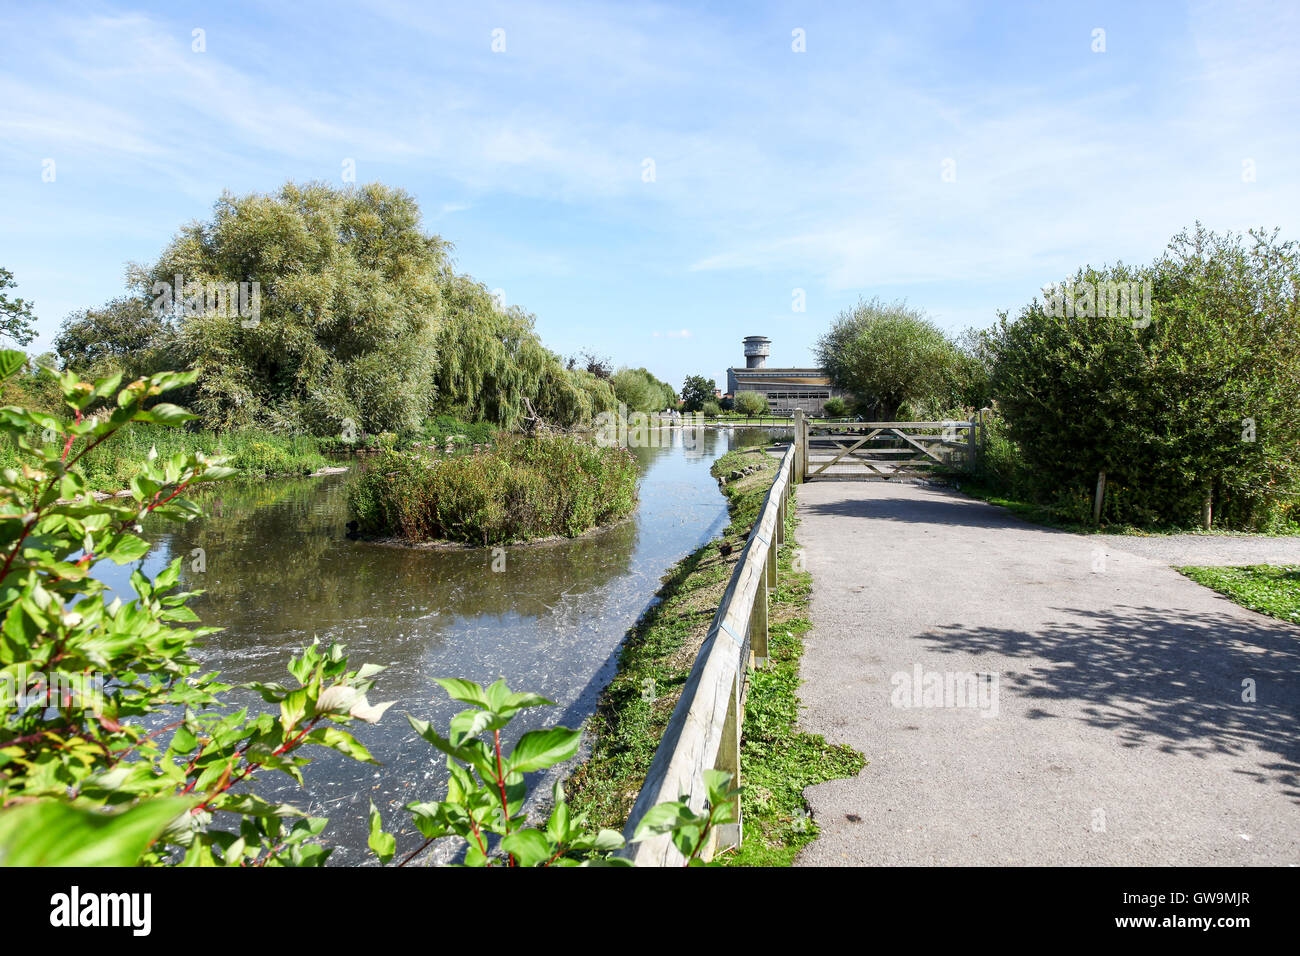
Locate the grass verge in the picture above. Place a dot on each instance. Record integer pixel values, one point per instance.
(777, 760)
(1271, 590)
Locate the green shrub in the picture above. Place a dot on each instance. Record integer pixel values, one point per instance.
(751, 403)
(89, 772)
(711, 409)
(1201, 396)
(520, 489)
(836, 407)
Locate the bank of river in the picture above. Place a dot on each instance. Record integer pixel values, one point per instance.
(278, 572)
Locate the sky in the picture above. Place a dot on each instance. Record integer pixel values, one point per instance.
(656, 181)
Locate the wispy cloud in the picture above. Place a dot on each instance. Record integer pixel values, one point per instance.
(823, 170)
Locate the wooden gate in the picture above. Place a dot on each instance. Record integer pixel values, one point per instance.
(883, 451)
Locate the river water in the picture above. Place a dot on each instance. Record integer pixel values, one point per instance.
(279, 572)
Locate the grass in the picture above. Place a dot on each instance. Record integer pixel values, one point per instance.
(1270, 590)
(777, 760)
(256, 453)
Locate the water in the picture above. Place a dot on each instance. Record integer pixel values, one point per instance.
(279, 572)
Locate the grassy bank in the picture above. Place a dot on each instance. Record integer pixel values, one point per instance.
(1261, 587)
(256, 453)
(777, 761)
(520, 489)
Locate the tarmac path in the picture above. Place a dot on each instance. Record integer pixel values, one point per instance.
(1028, 696)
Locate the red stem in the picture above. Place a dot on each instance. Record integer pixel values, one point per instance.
(501, 782)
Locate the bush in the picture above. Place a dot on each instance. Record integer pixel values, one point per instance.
(1200, 397)
(640, 391)
(114, 749)
(751, 403)
(710, 409)
(835, 407)
(520, 489)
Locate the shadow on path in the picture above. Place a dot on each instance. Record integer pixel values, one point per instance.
(951, 508)
(1160, 677)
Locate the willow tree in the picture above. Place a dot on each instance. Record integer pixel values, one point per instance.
(493, 366)
(307, 308)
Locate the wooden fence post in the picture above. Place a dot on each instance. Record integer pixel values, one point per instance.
(800, 446)
(970, 445)
(984, 428)
(758, 628)
(1207, 510)
(730, 834)
(1097, 498)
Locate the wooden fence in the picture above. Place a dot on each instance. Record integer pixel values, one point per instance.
(882, 450)
(704, 730)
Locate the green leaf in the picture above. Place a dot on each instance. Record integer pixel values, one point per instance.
(538, 749)
(663, 818)
(10, 362)
(126, 548)
(53, 833)
(183, 741)
(383, 844)
(529, 847)
(164, 413)
(342, 741)
(465, 691)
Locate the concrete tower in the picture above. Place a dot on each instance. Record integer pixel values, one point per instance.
(757, 349)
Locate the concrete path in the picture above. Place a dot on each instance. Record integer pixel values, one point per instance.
(1094, 708)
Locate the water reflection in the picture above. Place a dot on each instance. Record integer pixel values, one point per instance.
(279, 572)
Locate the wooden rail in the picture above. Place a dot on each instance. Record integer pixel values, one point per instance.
(853, 449)
(704, 730)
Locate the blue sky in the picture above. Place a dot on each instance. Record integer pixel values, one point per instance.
(774, 170)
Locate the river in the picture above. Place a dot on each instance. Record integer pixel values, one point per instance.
(278, 572)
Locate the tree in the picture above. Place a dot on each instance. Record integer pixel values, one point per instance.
(710, 409)
(122, 335)
(341, 324)
(642, 392)
(891, 358)
(750, 404)
(492, 363)
(597, 365)
(1199, 397)
(17, 318)
(696, 390)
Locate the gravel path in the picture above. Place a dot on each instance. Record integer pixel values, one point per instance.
(1111, 728)
(1208, 549)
